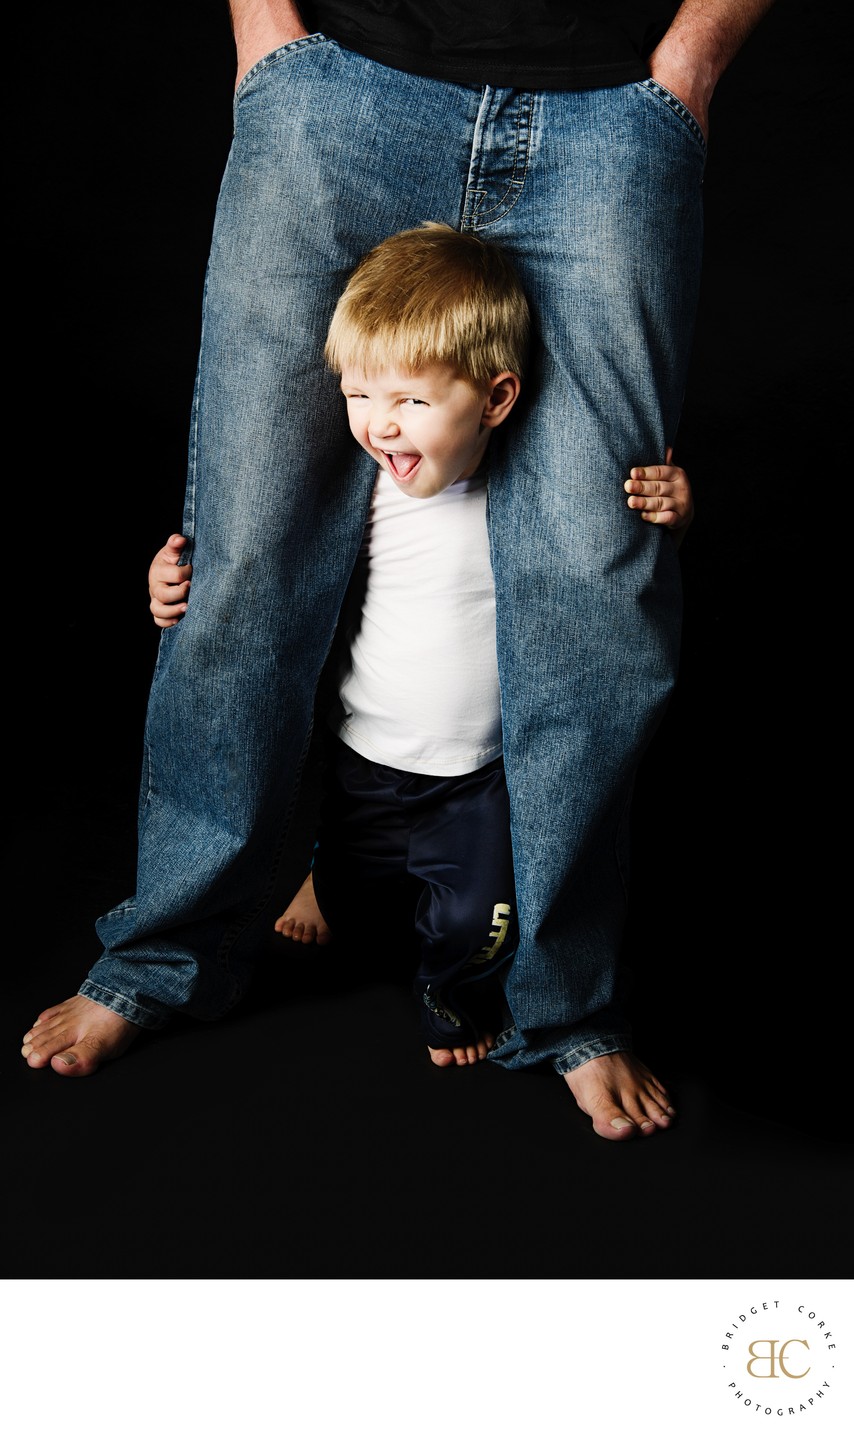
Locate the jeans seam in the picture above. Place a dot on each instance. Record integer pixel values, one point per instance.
(675, 104)
(268, 62)
(475, 219)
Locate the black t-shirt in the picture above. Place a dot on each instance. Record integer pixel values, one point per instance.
(518, 44)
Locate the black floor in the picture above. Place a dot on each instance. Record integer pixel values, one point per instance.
(307, 1135)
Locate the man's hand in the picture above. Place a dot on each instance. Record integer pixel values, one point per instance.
(703, 39)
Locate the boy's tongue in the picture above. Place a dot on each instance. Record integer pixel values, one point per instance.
(402, 464)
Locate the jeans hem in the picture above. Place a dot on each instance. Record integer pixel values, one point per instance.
(570, 1058)
(603, 1046)
(122, 1006)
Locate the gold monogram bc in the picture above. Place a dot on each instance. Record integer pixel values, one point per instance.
(773, 1359)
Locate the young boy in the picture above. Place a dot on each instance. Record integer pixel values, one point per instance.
(430, 339)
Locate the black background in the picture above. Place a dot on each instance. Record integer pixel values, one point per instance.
(206, 1146)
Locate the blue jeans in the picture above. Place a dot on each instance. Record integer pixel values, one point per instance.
(597, 197)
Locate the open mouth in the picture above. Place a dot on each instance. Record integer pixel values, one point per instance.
(402, 465)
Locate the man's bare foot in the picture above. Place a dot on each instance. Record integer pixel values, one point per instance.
(301, 920)
(76, 1036)
(462, 1055)
(621, 1096)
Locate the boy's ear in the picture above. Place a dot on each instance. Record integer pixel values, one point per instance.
(503, 392)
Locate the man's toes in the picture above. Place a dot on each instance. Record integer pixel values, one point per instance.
(622, 1098)
(649, 1115)
(622, 1123)
(76, 1061)
(33, 1035)
(65, 1059)
(615, 1121)
(38, 1046)
(76, 1043)
(618, 1127)
(92, 1049)
(43, 1053)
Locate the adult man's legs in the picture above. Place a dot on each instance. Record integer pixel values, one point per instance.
(331, 153)
(607, 233)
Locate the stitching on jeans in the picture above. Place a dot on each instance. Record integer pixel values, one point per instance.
(675, 105)
(282, 52)
(522, 147)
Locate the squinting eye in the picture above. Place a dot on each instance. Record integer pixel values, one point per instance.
(421, 401)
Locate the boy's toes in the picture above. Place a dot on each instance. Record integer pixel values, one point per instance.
(462, 1055)
(441, 1057)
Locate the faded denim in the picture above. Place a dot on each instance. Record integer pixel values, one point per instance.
(597, 197)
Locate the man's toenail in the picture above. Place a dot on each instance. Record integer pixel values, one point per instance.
(647, 1124)
(670, 1110)
(620, 1122)
(68, 1059)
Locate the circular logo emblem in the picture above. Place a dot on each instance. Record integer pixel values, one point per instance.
(779, 1358)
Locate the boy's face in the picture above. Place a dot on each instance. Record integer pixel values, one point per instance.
(426, 429)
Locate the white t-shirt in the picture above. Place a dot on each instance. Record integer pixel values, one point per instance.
(421, 693)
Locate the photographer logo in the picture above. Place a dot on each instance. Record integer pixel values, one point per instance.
(780, 1358)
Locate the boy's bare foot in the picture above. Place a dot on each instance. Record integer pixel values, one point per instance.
(301, 920)
(621, 1096)
(76, 1036)
(462, 1055)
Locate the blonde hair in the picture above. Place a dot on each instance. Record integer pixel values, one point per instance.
(432, 296)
